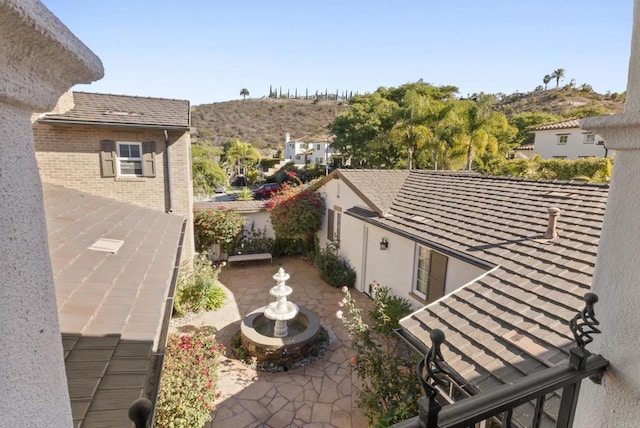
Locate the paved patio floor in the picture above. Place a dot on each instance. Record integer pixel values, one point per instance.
(322, 394)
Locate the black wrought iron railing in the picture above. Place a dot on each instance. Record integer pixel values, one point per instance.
(499, 404)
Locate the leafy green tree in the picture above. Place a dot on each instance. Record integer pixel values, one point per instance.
(207, 173)
(240, 156)
(244, 92)
(526, 120)
(367, 118)
(411, 128)
(558, 74)
(482, 130)
(546, 79)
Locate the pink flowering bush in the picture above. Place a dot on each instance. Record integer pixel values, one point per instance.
(390, 387)
(296, 215)
(189, 378)
(220, 226)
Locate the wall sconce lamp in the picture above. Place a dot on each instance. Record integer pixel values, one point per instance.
(384, 244)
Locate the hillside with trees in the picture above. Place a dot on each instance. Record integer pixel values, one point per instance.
(263, 122)
(416, 125)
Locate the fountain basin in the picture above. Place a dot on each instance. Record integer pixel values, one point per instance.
(302, 341)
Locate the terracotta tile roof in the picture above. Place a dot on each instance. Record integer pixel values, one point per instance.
(377, 188)
(113, 308)
(124, 110)
(565, 124)
(536, 286)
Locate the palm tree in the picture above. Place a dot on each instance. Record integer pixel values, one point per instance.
(558, 74)
(241, 155)
(244, 92)
(546, 79)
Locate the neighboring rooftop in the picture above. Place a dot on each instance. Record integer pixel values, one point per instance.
(513, 321)
(565, 124)
(239, 206)
(377, 188)
(113, 308)
(119, 110)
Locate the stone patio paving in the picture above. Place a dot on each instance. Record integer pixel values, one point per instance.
(322, 394)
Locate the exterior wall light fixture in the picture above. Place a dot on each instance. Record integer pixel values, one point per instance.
(384, 244)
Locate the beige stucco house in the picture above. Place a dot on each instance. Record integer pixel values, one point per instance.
(567, 140)
(470, 253)
(132, 149)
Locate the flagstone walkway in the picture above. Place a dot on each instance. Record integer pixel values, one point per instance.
(320, 395)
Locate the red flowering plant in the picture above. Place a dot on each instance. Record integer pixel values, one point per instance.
(296, 215)
(220, 226)
(390, 388)
(189, 378)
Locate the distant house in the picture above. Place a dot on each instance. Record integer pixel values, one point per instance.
(566, 140)
(304, 151)
(472, 255)
(131, 149)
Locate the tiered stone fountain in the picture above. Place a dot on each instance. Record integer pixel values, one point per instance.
(281, 333)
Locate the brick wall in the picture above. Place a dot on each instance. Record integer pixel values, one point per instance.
(70, 156)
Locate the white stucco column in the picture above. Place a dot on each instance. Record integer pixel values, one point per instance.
(616, 403)
(39, 60)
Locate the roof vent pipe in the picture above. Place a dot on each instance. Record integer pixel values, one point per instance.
(552, 230)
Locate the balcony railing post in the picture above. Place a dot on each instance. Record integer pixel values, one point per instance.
(140, 412)
(432, 374)
(583, 327)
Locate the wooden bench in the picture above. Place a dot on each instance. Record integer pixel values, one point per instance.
(249, 257)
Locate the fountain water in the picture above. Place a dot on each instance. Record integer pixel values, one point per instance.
(281, 333)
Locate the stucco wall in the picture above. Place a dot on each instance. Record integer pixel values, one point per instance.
(70, 156)
(260, 221)
(616, 402)
(338, 196)
(546, 144)
(393, 267)
(39, 60)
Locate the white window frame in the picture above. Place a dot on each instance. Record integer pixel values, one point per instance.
(563, 139)
(128, 159)
(589, 138)
(430, 272)
(425, 268)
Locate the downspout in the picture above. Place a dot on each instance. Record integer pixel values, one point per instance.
(166, 150)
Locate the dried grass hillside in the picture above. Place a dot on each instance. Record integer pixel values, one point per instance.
(263, 122)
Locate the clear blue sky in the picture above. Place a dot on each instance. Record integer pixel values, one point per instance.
(208, 50)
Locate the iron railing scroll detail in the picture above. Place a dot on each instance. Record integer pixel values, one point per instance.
(500, 402)
(431, 375)
(583, 327)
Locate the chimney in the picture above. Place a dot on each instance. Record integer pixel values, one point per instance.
(287, 138)
(552, 231)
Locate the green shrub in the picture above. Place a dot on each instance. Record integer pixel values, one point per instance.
(334, 269)
(253, 241)
(389, 309)
(198, 289)
(189, 380)
(219, 226)
(245, 194)
(386, 367)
